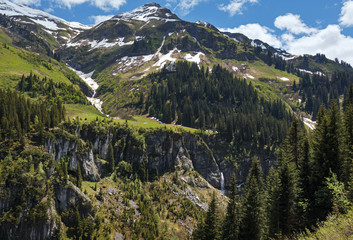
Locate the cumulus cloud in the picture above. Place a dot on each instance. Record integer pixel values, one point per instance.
(293, 24)
(27, 2)
(346, 17)
(297, 38)
(329, 41)
(256, 31)
(235, 6)
(106, 5)
(100, 18)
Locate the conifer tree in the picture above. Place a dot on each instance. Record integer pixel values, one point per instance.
(211, 221)
(252, 224)
(230, 228)
(348, 142)
(272, 203)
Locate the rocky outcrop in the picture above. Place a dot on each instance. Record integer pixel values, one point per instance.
(69, 196)
(42, 228)
(64, 144)
(155, 152)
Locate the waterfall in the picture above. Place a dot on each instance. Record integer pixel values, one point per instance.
(222, 184)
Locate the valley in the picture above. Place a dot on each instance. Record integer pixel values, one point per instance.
(147, 126)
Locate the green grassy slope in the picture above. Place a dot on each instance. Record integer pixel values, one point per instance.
(15, 62)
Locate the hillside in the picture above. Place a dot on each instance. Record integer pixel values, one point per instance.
(146, 126)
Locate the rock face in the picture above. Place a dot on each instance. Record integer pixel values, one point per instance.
(157, 152)
(64, 144)
(68, 196)
(40, 229)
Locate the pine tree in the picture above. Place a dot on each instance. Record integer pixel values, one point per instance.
(230, 228)
(252, 224)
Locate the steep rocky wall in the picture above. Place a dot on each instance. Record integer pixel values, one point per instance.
(158, 151)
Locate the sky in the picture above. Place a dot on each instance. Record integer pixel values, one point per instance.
(299, 27)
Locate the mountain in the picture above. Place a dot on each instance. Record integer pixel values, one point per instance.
(181, 107)
(35, 29)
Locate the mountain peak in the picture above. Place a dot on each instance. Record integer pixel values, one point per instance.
(206, 24)
(148, 12)
(38, 16)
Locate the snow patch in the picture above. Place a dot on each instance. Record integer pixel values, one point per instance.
(249, 76)
(254, 44)
(305, 71)
(310, 123)
(235, 69)
(165, 58)
(87, 78)
(284, 79)
(43, 18)
(105, 43)
(196, 58)
(146, 13)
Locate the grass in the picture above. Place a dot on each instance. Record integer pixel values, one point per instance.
(88, 187)
(261, 70)
(88, 112)
(142, 121)
(14, 63)
(4, 38)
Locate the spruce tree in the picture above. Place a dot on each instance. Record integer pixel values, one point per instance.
(211, 221)
(348, 142)
(230, 228)
(272, 203)
(334, 140)
(252, 224)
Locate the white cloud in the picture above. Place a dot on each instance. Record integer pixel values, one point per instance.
(106, 5)
(184, 7)
(69, 3)
(346, 17)
(235, 6)
(329, 41)
(49, 10)
(293, 24)
(256, 31)
(100, 18)
(27, 2)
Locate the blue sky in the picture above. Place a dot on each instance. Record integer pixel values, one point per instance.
(300, 26)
